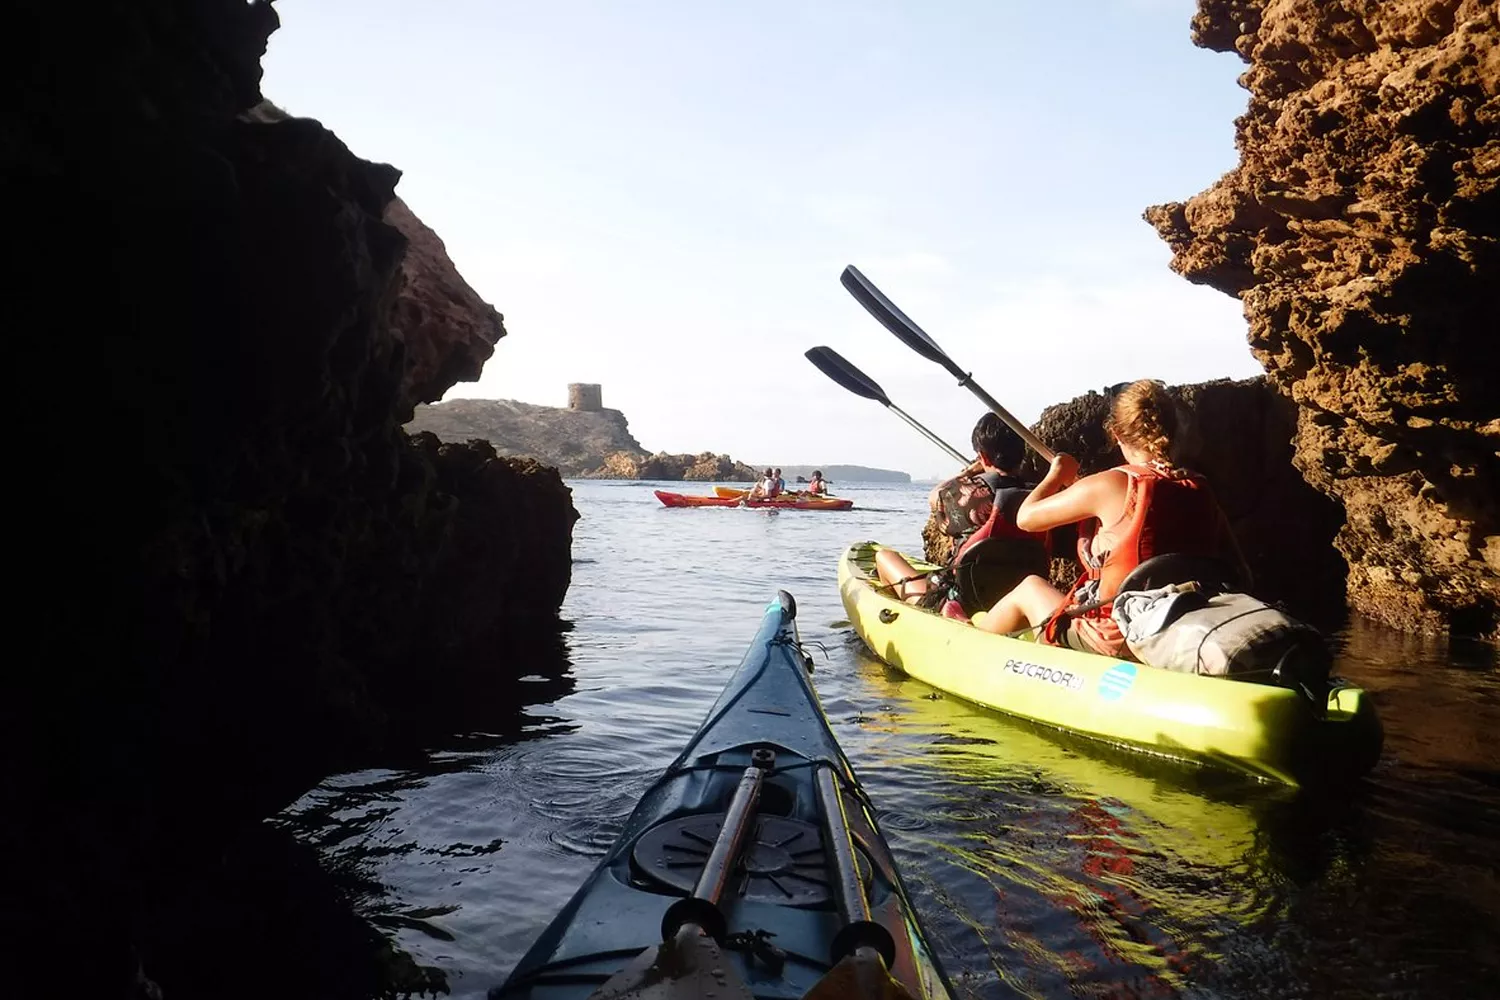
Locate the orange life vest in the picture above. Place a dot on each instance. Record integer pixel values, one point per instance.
(1163, 513)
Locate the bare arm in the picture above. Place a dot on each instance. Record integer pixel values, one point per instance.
(1059, 499)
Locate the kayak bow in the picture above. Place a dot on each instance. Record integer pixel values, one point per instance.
(752, 868)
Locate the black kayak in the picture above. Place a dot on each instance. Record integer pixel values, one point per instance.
(752, 868)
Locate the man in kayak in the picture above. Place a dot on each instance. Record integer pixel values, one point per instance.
(1147, 507)
(964, 504)
(816, 485)
(780, 483)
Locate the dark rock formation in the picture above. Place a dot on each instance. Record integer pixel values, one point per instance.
(249, 568)
(1240, 439)
(1361, 230)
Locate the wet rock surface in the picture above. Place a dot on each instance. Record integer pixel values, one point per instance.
(1361, 230)
(1239, 437)
(247, 574)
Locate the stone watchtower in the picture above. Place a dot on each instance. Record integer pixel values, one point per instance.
(584, 396)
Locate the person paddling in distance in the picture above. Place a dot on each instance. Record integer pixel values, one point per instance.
(780, 483)
(1147, 507)
(817, 485)
(964, 503)
(766, 489)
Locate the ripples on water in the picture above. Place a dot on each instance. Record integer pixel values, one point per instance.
(1043, 866)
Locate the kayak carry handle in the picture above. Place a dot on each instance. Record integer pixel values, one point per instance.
(701, 909)
(859, 931)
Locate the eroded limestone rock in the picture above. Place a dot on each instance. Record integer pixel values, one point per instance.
(1361, 230)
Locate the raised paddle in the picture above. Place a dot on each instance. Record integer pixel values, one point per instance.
(832, 364)
(913, 336)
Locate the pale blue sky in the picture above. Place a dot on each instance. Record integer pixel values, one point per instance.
(660, 196)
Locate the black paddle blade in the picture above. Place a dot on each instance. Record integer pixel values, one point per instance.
(832, 364)
(894, 320)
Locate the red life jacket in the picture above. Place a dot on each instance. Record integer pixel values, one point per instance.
(1000, 526)
(1163, 513)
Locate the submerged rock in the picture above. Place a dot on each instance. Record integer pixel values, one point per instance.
(1361, 230)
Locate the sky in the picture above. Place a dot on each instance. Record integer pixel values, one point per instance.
(660, 196)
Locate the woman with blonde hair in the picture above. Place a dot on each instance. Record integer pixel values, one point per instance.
(1149, 506)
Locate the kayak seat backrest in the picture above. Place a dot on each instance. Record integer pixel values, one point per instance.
(1173, 567)
(990, 569)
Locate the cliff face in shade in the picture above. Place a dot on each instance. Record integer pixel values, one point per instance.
(446, 330)
(1240, 438)
(1361, 230)
(449, 332)
(250, 575)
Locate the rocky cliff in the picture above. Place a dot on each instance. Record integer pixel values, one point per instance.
(576, 442)
(1361, 230)
(251, 575)
(588, 444)
(1240, 437)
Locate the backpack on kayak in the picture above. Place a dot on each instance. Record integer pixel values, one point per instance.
(1204, 627)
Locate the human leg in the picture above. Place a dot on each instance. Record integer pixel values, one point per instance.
(1031, 602)
(898, 574)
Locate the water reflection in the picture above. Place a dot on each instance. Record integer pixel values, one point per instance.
(1051, 866)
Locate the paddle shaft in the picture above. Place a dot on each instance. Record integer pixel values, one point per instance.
(847, 376)
(879, 305)
(700, 911)
(952, 451)
(1034, 442)
(859, 931)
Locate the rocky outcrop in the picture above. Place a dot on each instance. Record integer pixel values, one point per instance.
(703, 468)
(252, 576)
(449, 332)
(1240, 437)
(585, 444)
(576, 442)
(1361, 230)
(446, 330)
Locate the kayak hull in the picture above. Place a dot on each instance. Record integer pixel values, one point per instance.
(1271, 733)
(769, 703)
(798, 502)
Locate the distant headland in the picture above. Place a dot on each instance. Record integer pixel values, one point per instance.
(587, 440)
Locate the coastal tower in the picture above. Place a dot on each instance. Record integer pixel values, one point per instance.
(585, 396)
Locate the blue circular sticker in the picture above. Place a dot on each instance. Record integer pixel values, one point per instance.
(1116, 681)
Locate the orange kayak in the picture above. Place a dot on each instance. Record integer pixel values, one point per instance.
(734, 493)
(786, 501)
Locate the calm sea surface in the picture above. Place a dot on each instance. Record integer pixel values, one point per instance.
(1043, 865)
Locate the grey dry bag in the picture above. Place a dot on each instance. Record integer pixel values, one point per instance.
(1225, 635)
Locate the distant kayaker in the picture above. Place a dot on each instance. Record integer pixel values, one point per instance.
(817, 485)
(780, 483)
(766, 489)
(1147, 507)
(964, 504)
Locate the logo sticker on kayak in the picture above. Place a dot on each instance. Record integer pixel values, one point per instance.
(1050, 675)
(1116, 681)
